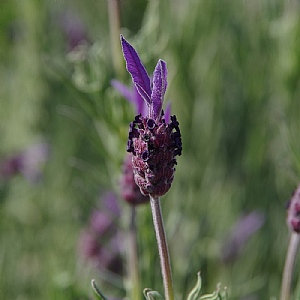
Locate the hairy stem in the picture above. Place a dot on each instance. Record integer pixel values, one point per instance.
(162, 248)
(289, 266)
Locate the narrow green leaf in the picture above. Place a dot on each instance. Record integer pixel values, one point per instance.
(213, 296)
(152, 295)
(97, 291)
(194, 294)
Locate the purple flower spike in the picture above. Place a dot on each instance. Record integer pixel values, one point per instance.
(153, 139)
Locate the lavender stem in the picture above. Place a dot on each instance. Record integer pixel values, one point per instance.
(289, 266)
(162, 247)
(133, 267)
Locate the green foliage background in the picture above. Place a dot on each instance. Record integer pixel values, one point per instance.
(234, 69)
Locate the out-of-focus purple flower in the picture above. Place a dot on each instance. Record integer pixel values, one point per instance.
(293, 216)
(110, 205)
(101, 222)
(28, 163)
(88, 245)
(73, 28)
(153, 143)
(132, 95)
(99, 243)
(243, 229)
(129, 190)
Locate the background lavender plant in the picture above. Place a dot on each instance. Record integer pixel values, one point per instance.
(234, 84)
(101, 241)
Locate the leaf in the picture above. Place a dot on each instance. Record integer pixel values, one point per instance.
(136, 69)
(213, 296)
(194, 294)
(152, 295)
(217, 295)
(97, 291)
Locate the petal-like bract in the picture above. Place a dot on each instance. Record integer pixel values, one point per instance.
(136, 69)
(159, 89)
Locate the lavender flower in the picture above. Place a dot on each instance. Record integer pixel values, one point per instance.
(293, 216)
(244, 228)
(153, 143)
(73, 29)
(129, 190)
(99, 243)
(28, 163)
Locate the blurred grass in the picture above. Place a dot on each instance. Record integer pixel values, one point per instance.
(234, 86)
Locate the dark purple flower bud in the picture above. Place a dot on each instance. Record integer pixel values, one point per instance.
(129, 190)
(11, 166)
(155, 143)
(293, 216)
(151, 124)
(145, 155)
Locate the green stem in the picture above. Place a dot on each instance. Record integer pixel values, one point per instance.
(162, 247)
(133, 267)
(289, 266)
(114, 25)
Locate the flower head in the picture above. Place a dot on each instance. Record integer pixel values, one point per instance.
(293, 216)
(153, 143)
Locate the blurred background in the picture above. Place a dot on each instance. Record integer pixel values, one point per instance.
(234, 69)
